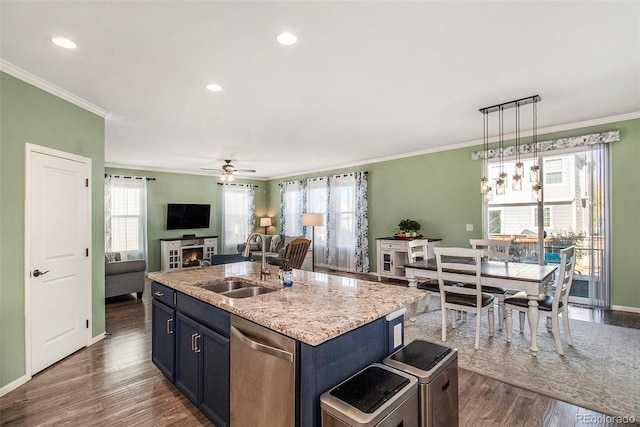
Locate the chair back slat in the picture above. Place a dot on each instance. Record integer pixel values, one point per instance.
(417, 250)
(464, 261)
(492, 248)
(564, 279)
(297, 251)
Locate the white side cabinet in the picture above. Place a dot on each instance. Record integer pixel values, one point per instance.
(393, 255)
(180, 253)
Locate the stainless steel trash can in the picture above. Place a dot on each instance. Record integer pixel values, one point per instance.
(436, 368)
(377, 396)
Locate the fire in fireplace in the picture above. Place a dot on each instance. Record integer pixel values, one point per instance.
(191, 256)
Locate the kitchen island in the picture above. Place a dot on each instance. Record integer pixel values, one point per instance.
(340, 325)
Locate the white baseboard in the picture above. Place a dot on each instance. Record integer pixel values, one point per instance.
(97, 338)
(13, 385)
(627, 309)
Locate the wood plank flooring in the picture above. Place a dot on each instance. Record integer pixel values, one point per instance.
(114, 383)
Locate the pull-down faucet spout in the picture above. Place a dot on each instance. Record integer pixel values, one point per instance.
(245, 253)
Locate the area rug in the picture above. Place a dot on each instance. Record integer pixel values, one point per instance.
(601, 372)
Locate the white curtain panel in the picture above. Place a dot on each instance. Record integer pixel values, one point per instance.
(238, 218)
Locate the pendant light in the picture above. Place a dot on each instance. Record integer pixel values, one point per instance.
(484, 181)
(516, 183)
(534, 176)
(501, 182)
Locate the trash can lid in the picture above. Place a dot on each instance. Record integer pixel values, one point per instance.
(370, 388)
(421, 354)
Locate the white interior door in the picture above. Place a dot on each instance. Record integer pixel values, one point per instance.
(58, 237)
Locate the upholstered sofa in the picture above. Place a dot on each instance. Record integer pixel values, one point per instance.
(123, 277)
(276, 245)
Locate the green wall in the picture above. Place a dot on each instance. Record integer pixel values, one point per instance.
(29, 114)
(440, 191)
(183, 188)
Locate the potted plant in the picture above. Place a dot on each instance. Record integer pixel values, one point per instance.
(409, 227)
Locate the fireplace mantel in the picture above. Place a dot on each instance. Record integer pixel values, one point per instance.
(173, 251)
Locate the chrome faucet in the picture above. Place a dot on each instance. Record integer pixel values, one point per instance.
(245, 253)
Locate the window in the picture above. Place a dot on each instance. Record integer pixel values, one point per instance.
(546, 220)
(553, 171)
(125, 216)
(342, 243)
(238, 210)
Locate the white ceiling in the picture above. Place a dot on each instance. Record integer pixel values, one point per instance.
(366, 80)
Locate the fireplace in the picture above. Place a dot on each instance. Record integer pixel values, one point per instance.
(192, 255)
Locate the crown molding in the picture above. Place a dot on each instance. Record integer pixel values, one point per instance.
(541, 131)
(40, 83)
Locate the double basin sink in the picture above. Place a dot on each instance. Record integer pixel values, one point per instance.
(236, 288)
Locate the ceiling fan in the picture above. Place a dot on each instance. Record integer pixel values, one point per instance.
(228, 171)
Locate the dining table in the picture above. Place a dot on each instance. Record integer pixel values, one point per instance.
(534, 279)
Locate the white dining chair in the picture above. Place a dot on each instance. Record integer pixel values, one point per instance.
(494, 249)
(417, 250)
(460, 298)
(549, 305)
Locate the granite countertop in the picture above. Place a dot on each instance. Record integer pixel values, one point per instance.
(317, 308)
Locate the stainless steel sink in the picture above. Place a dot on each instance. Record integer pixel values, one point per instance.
(234, 288)
(247, 292)
(227, 285)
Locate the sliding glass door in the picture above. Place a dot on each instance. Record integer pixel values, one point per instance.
(573, 211)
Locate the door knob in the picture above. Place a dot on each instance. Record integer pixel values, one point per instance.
(37, 273)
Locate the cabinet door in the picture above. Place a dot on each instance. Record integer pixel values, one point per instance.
(163, 338)
(186, 375)
(387, 262)
(214, 374)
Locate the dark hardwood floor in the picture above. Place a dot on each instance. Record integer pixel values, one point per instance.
(114, 383)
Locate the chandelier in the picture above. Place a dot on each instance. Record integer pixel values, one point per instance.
(518, 172)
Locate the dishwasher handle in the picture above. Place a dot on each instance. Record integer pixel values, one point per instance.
(264, 348)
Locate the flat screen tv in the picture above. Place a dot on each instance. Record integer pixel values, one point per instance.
(183, 216)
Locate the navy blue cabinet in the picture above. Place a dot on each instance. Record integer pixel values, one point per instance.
(202, 359)
(163, 329)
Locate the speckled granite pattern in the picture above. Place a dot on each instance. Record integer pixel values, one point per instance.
(317, 308)
(600, 372)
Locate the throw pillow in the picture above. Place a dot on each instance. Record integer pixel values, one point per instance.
(111, 256)
(275, 243)
(289, 239)
(255, 246)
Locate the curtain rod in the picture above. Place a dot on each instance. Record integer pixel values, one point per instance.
(238, 185)
(129, 177)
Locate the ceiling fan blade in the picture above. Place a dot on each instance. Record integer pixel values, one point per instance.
(210, 169)
(244, 170)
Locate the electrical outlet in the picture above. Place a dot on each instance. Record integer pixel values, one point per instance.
(469, 227)
(397, 335)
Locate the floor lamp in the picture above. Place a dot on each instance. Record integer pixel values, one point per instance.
(313, 220)
(265, 222)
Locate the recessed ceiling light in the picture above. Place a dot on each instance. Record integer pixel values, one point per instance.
(62, 42)
(214, 87)
(286, 39)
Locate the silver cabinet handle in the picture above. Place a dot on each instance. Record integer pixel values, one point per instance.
(197, 349)
(169, 321)
(264, 348)
(193, 341)
(158, 293)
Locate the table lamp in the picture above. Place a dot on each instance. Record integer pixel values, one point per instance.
(265, 222)
(313, 220)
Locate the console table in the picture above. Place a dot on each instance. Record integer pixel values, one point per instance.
(393, 255)
(179, 253)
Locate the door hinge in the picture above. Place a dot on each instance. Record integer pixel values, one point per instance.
(86, 252)
(87, 183)
(87, 323)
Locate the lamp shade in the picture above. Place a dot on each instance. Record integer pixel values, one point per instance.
(313, 219)
(265, 222)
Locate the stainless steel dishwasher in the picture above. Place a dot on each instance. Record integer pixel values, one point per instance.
(263, 376)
